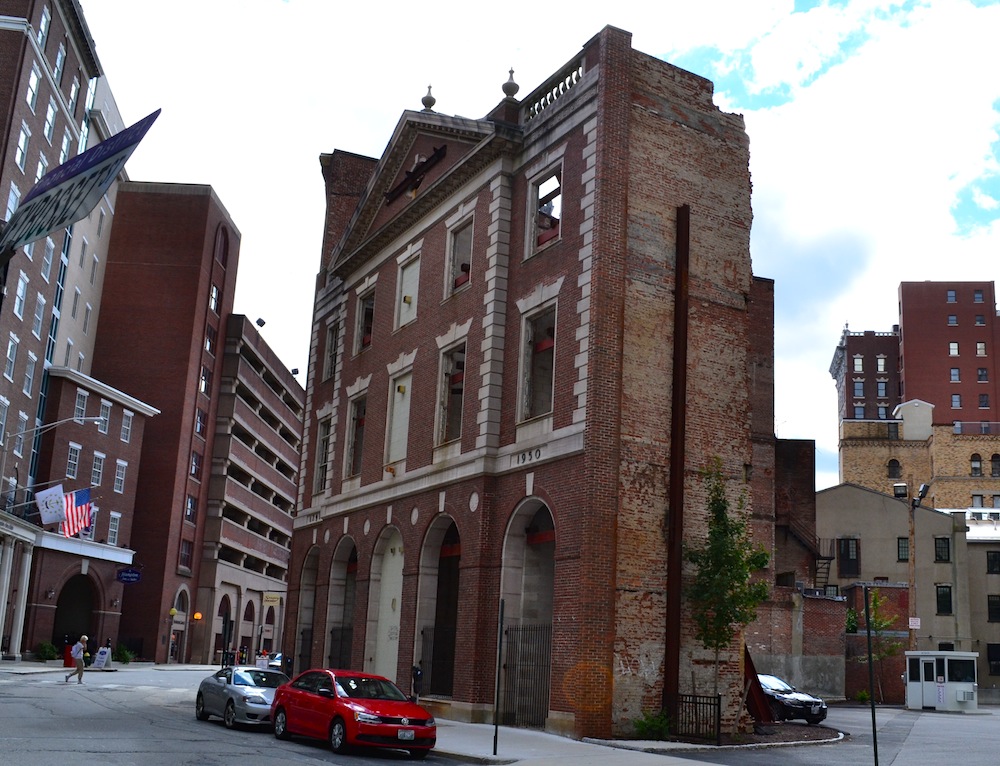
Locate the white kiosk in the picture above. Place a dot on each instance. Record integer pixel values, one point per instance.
(941, 681)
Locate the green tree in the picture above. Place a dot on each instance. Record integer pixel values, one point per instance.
(722, 594)
(883, 646)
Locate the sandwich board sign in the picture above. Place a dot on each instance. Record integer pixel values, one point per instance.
(69, 192)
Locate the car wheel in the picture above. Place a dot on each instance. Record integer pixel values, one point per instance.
(419, 755)
(229, 715)
(199, 708)
(281, 724)
(338, 736)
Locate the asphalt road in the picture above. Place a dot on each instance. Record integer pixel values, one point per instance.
(140, 718)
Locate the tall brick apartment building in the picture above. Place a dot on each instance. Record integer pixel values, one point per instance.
(216, 486)
(531, 332)
(920, 404)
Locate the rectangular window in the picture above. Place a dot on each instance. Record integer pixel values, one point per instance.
(859, 364)
(980, 320)
(80, 406)
(211, 338)
(102, 424)
(322, 454)
(93, 269)
(883, 413)
(29, 374)
(409, 285)
(993, 657)
(332, 341)
(196, 465)
(97, 471)
(43, 28)
(4, 406)
(73, 461)
(992, 562)
(539, 360)
(50, 120)
(983, 375)
(22, 426)
(953, 349)
(13, 200)
(366, 321)
(33, 81)
(39, 317)
(191, 509)
(859, 413)
(67, 142)
(399, 418)
(942, 549)
(547, 197)
(881, 388)
(848, 557)
(21, 295)
(984, 401)
(75, 307)
(42, 168)
(993, 608)
(8, 369)
(881, 364)
(952, 297)
(126, 434)
(213, 299)
(956, 376)
(980, 348)
(50, 251)
(977, 296)
(452, 394)
(200, 422)
(952, 320)
(186, 554)
(977, 501)
(859, 389)
(114, 524)
(356, 438)
(902, 549)
(121, 467)
(21, 153)
(205, 382)
(943, 599)
(956, 401)
(460, 241)
(60, 63)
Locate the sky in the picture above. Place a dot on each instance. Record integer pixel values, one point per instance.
(874, 135)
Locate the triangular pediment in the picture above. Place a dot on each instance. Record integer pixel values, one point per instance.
(429, 156)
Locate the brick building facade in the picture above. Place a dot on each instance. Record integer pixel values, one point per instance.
(531, 332)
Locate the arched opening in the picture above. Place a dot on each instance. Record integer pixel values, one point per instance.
(340, 610)
(74, 611)
(527, 587)
(223, 629)
(307, 610)
(437, 607)
(385, 595)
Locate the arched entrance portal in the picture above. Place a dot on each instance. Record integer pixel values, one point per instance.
(527, 587)
(74, 611)
(384, 606)
(340, 610)
(437, 607)
(307, 610)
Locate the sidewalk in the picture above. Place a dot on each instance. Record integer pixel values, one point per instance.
(475, 743)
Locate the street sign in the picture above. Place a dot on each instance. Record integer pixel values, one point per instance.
(128, 575)
(70, 191)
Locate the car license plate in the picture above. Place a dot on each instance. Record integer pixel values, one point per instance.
(815, 708)
(405, 734)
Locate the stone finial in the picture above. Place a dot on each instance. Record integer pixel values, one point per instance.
(510, 87)
(428, 101)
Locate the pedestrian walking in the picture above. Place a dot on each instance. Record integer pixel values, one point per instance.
(77, 654)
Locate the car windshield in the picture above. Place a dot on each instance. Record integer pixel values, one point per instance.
(775, 684)
(259, 678)
(369, 689)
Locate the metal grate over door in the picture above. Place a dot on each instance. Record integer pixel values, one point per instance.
(526, 675)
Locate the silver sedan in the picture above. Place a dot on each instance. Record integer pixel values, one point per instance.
(239, 695)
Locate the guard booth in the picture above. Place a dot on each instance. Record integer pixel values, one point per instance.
(941, 681)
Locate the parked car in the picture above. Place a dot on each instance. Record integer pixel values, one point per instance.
(787, 703)
(275, 661)
(348, 708)
(238, 694)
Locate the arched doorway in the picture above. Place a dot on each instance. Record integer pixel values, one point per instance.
(437, 607)
(340, 610)
(74, 611)
(385, 594)
(528, 588)
(307, 610)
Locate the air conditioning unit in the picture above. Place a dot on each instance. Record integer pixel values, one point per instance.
(965, 696)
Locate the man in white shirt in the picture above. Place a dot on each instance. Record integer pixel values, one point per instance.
(77, 654)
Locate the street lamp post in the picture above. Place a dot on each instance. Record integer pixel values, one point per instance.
(912, 557)
(170, 632)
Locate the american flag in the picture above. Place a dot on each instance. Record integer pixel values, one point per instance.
(77, 512)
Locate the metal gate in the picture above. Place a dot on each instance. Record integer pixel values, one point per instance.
(526, 675)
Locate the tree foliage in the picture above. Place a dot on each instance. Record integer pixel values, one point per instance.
(883, 646)
(722, 594)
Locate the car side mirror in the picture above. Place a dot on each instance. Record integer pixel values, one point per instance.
(325, 692)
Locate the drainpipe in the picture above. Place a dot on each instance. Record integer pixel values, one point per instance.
(675, 507)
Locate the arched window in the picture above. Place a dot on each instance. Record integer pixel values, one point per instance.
(995, 465)
(895, 470)
(976, 465)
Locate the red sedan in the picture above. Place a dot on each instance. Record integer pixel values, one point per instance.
(347, 708)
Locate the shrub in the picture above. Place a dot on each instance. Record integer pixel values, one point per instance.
(122, 654)
(652, 725)
(862, 696)
(46, 651)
